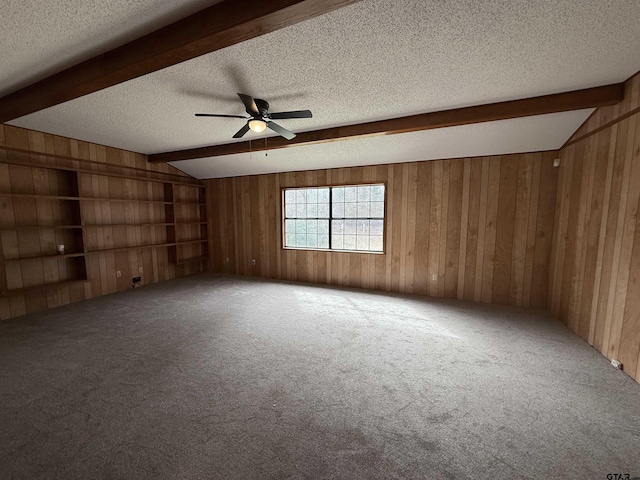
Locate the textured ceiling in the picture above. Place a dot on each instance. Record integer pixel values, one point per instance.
(506, 136)
(40, 38)
(376, 59)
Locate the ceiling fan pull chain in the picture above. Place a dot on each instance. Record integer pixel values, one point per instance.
(266, 153)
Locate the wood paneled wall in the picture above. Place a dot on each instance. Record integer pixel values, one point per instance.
(482, 226)
(595, 267)
(100, 267)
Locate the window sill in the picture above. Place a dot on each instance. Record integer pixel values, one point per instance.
(327, 250)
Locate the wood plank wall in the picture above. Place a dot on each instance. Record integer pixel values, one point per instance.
(100, 267)
(594, 284)
(483, 226)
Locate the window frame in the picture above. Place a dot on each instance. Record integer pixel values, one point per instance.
(330, 187)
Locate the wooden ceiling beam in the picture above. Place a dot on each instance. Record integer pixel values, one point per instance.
(219, 26)
(560, 102)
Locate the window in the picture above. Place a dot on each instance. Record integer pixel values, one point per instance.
(335, 218)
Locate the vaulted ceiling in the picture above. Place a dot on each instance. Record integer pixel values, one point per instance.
(371, 60)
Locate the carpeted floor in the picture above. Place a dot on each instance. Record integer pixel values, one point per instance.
(235, 378)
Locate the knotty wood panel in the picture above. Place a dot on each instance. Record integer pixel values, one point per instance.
(115, 224)
(594, 283)
(467, 221)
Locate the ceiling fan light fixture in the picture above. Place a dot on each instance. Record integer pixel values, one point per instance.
(259, 110)
(257, 126)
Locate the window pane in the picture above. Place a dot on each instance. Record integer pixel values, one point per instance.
(290, 211)
(301, 210)
(349, 242)
(301, 196)
(289, 196)
(323, 241)
(323, 195)
(363, 227)
(337, 242)
(312, 240)
(312, 210)
(350, 210)
(312, 226)
(350, 227)
(323, 227)
(301, 226)
(301, 240)
(377, 193)
(338, 194)
(290, 240)
(351, 194)
(364, 193)
(375, 243)
(338, 210)
(289, 226)
(323, 210)
(312, 195)
(337, 227)
(363, 210)
(376, 227)
(377, 210)
(363, 242)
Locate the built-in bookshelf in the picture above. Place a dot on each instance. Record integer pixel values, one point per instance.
(191, 234)
(91, 212)
(40, 212)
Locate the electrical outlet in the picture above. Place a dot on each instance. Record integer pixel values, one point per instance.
(226, 259)
(434, 277)
(118, 274)
(140, 269)
(253, 262)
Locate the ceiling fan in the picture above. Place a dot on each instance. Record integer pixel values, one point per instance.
(260, 118)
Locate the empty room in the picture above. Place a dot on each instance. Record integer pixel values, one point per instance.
(320, 239)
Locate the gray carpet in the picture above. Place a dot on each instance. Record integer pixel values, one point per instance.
(236, 378)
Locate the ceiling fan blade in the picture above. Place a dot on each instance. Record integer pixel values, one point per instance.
(217, 115)
(294, 114)
(241, 132)
(249, 104)
(281, 130)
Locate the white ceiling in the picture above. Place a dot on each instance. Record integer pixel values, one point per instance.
(506, 136)
(40, 38)
(373, 60)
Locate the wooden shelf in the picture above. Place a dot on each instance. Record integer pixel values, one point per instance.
(123, 200)
(197, 185)
(184, 261)
(192, 222)
(187, 181)
(132, 247)
(44, 286)
(84, 171)
(79, 208)
(39, 227)
(103, 225)
(43, 257)
(185, 242)
(34, 195)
